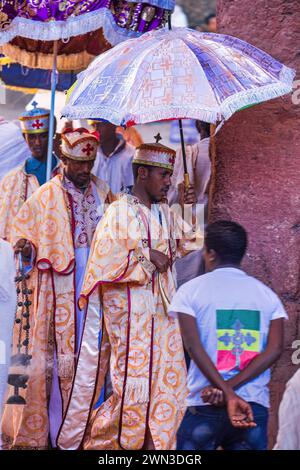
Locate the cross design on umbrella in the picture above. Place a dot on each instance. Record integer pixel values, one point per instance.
(237, 340)
(88, 149)
(37, 124)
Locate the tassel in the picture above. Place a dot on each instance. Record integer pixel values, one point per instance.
(137, 390)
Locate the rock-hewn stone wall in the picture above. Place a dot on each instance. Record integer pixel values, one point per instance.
(256, 175)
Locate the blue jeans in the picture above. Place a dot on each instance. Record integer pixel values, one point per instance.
(208, 427)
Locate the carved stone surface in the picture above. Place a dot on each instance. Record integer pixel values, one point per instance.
(256, 176)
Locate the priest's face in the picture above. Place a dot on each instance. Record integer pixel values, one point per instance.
(38, 144)
(78, 172)
(158, 183)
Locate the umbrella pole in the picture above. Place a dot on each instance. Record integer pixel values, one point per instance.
(186, 175)
(51, 122)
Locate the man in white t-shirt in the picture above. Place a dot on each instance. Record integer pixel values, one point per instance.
(232, 327)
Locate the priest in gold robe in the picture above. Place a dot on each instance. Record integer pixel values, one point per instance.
(54, 229)
(128, 283)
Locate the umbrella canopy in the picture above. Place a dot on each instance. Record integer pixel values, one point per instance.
(83, 29)
(176, 74)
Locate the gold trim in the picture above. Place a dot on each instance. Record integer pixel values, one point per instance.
(161, 165)
(82, 159)
(37, 116)
(156, 148)
(65, 62)
(145, 262)
(84, 138)
(38, 131)
(29, 91)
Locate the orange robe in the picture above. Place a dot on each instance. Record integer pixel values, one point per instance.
(15, 188)
(141, 342)
(46, 219)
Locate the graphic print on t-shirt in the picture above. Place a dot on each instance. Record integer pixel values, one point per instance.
(238, 338)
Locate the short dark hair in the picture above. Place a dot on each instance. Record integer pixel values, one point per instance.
(228, 239)
(203, 126)
(209, 17)
(135, 169)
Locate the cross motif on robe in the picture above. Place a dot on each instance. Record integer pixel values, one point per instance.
(88, 149)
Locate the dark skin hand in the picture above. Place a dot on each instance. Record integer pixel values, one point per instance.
(24, 247)
(239, 411)
(160, 260)
(258, 365)
(187, 195)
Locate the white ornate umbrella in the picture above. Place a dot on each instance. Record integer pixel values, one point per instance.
(176, 74)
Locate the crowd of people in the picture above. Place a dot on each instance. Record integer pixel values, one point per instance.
(142, 331)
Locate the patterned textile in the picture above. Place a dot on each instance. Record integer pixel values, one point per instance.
(177, 74)
(15, 188)
(46, 221)
(50, 20)
(35, 121)
(147, 364)
(80, 144)
(155, 155)
(85, 213)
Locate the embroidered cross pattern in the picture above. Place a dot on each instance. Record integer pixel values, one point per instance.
(37, 124)
(88, 149)
(238, 333)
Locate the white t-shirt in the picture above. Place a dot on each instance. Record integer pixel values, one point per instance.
(233, 313)
(115, 169)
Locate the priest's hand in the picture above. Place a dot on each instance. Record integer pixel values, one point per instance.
(24, 247)
(239, 412)
(189, 195)
(160, 260)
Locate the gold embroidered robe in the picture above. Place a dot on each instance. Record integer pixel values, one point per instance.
(140, 341)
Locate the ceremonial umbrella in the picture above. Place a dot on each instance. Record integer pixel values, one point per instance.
(176, 74)
(70, 33)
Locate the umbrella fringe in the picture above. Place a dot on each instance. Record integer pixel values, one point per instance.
(74, 26)
(252, 97)
(227, 108)
(287, 75)
(82, 112)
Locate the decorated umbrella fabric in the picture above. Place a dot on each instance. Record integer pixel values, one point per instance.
(67, 34)
(176, 74)
(83, 29)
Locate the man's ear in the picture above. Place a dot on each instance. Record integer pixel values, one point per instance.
(24, 137)
(63, 159)
(143, 172)
(211, 254)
